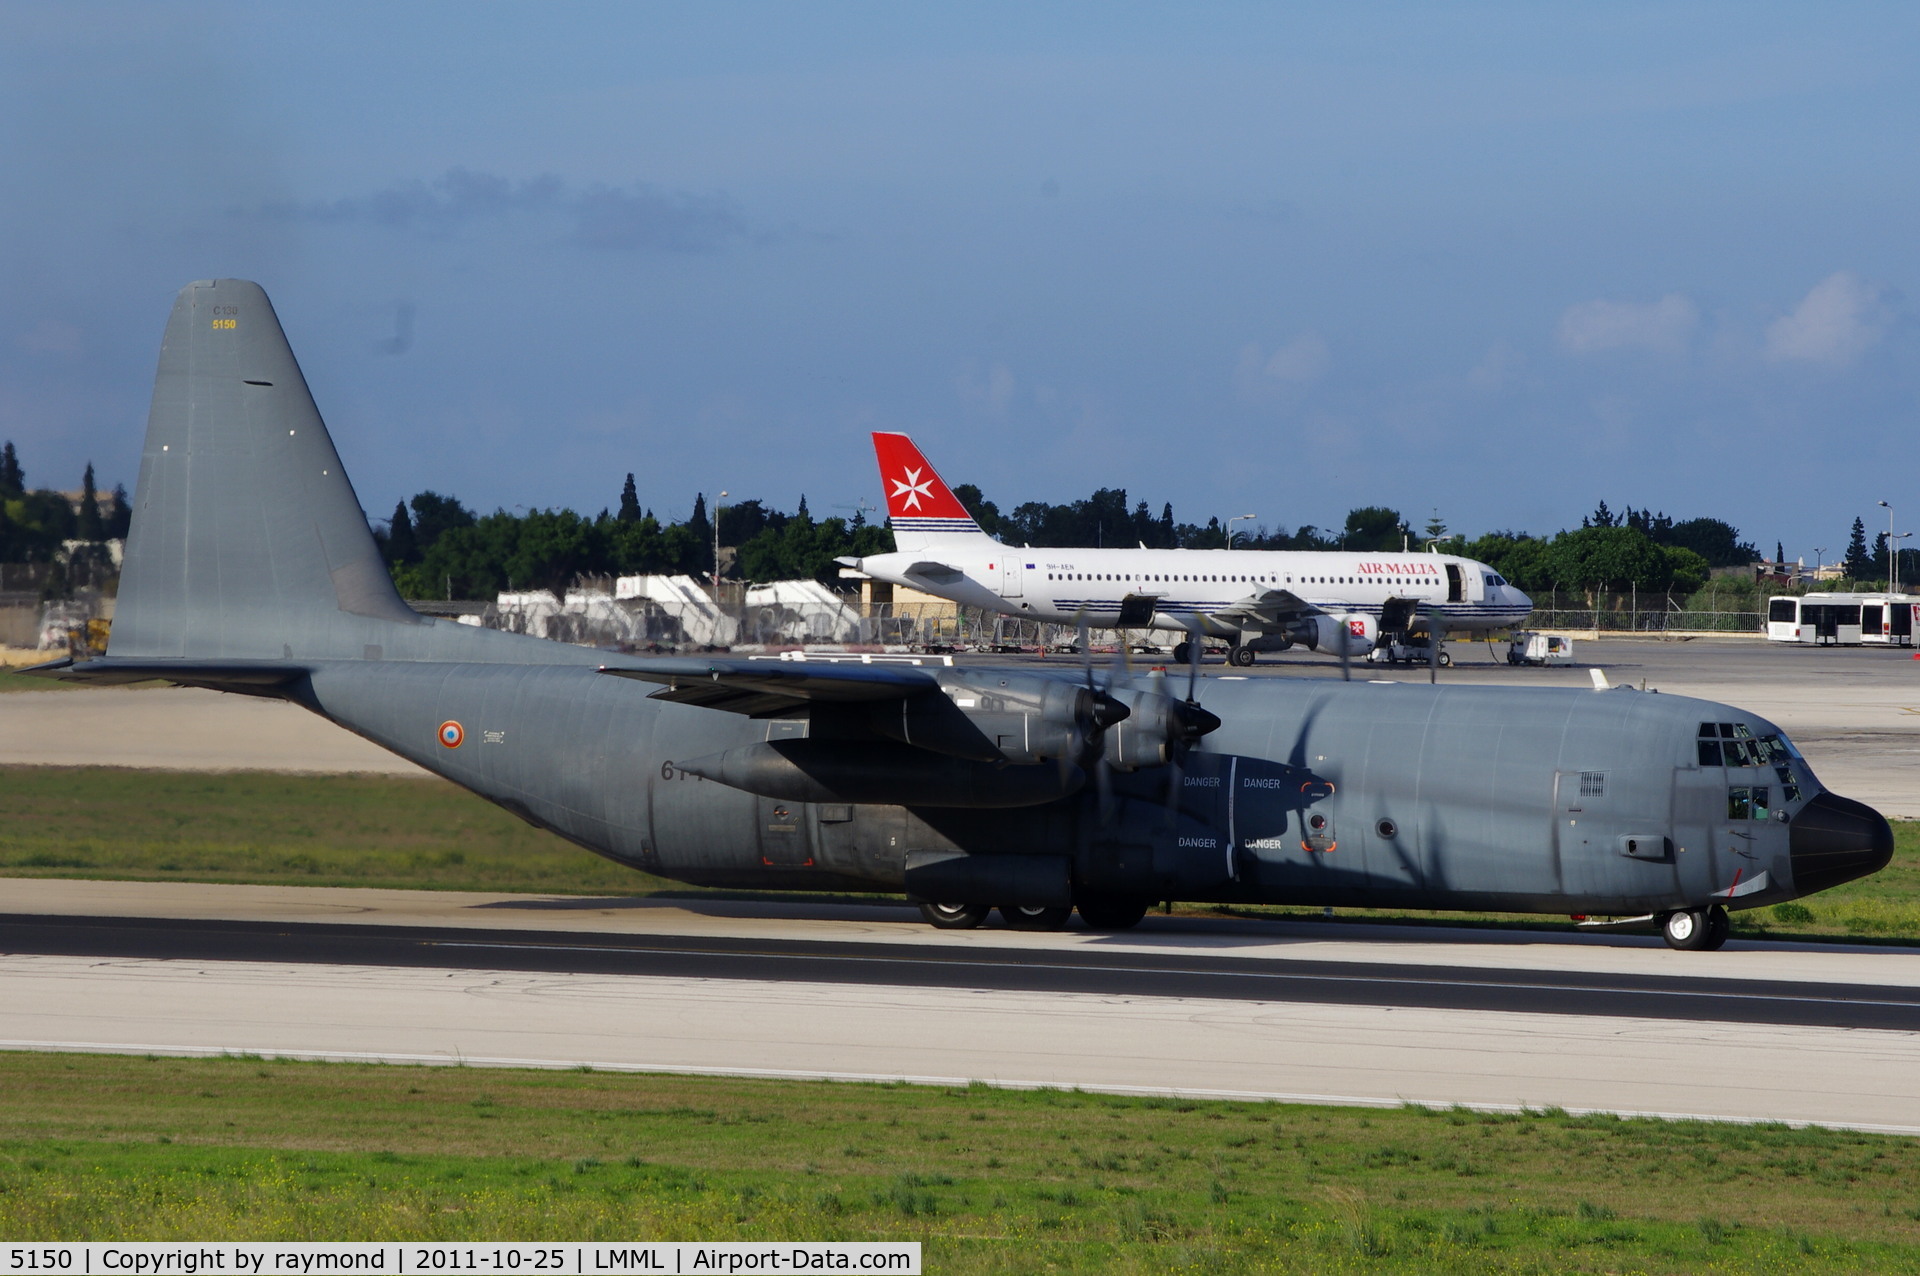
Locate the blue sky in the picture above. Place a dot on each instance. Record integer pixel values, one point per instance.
(1499, 260)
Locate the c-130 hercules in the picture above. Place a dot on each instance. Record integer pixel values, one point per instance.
(250, 569)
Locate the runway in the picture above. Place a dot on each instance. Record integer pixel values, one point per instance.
(1081, 970)
(1757, 1032)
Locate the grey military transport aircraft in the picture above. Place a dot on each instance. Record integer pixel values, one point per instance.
(250, 569)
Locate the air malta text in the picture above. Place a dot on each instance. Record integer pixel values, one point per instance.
(1399, 569)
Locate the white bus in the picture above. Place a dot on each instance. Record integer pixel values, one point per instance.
(1843, 620)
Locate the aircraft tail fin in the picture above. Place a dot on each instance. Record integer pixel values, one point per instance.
(247, 540)
(922, 510)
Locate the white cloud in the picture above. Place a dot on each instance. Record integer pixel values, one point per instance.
(995, 388)
(1665, 326)
(1840, 319)
(1304, 359)
(1501, 365)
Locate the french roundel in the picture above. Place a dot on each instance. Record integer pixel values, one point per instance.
(451, 734)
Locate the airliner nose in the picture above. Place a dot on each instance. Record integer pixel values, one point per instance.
(1835, 840)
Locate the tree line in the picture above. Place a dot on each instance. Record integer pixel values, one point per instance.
(36, 523)
(440, 548)
(437, 547)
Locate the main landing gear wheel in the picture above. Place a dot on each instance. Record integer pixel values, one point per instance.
(1112, 912)
(955, 916)
(1182, 652)
(1242, 656)
(1022, 917)
(1696, 930)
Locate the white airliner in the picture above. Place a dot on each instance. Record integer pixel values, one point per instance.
(1254, 600)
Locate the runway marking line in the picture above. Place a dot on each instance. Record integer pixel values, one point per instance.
(1174, 970)
(891, 1078)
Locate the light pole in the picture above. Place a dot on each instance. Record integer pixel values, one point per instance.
(1893, 585)
(1237, 518)
(716, 544)
(1818, 561)
(1889, 509)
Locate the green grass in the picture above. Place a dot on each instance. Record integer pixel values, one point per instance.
(266, 827)
(111, 1147)
(393, 831)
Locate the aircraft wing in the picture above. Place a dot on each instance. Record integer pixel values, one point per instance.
(1266, 607)
(762, 688)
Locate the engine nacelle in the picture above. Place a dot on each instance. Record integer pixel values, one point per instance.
(996, 716)
(1356, 633)
(1154, 724)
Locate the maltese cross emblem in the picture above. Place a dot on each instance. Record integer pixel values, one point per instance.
(913, 487)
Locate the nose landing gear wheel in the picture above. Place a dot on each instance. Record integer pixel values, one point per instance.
(1696, 930)
(1182, 653)
(955, 916)
(1027, 918)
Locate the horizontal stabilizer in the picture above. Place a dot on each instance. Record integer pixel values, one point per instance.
(251, 676)
(759, 688)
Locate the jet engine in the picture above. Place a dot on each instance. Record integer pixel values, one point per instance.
(1357, 633)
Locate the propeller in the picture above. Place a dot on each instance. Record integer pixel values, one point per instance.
(1188, 721)
(1103, 711)
(1193, 721)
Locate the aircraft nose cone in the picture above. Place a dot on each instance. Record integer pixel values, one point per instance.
(1835, 840)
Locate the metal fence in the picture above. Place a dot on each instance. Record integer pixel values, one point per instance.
(1634, 612)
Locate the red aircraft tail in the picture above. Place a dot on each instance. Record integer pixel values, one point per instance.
(920, 506)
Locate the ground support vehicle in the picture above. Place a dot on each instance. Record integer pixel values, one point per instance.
(1529, 647)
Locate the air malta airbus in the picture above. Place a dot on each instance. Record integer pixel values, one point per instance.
(1254, 600)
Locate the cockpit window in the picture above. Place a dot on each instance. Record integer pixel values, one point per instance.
(1734, 744)
(1748, 802)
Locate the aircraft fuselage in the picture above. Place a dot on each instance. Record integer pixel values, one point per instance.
(1175, 590)
(1314, 793)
